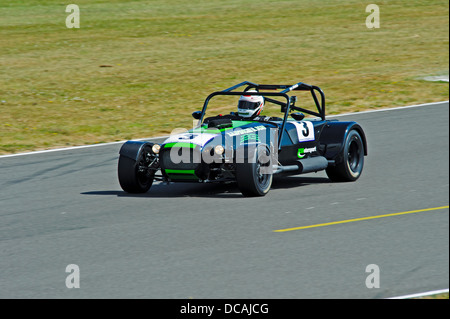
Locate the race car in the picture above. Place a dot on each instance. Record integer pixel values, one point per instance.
(248, 148)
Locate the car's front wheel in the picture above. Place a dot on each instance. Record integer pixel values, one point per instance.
(254, 176)
(135, 175)
(352, 160)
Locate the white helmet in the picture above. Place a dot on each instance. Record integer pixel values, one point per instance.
(250, 105)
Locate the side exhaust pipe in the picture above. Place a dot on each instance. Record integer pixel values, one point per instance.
(306, 165)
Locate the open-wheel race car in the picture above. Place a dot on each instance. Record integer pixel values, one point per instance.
(248, 148)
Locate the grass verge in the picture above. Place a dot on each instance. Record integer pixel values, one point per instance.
(139, 68)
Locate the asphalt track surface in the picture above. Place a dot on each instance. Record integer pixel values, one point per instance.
(207, 241)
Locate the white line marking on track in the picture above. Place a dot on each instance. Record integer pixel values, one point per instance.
(387, 109)
(422, 294)
(76, 147)
(155, 137)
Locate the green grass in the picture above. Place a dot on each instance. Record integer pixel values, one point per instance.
(437, 296)
(165, 57)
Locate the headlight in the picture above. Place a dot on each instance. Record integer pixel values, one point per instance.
(156, 148)
(219, 150)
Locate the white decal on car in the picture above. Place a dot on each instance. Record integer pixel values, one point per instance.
(305, 131)
(194, 138)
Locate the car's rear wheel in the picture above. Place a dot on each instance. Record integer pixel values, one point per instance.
(254, 176)
(352, 160)
(135, 175)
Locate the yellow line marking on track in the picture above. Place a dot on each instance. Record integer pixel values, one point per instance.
(360, 219)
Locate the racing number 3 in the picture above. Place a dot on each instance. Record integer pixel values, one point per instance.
(305, 130)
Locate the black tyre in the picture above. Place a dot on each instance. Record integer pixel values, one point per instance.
(254, 177)
(134, 176)
(352, 160)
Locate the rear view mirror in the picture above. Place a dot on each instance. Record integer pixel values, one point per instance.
(298, 116)
(197, 115)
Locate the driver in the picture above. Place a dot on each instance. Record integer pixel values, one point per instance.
(251, 106)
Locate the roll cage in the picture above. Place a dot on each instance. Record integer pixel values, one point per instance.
(286, 107)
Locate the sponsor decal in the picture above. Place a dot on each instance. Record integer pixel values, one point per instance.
(247, 130)
(303, 151)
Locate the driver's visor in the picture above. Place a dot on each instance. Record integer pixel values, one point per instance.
(246, 105)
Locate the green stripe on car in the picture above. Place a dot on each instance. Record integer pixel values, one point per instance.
(180, 144)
